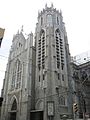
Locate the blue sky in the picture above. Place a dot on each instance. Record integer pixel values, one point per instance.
(15, 13)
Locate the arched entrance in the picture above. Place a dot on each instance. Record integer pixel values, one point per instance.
(13, 112)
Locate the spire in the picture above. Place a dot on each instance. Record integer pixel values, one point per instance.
(22, 28)
(38, 13)
(61, 12)
(51, 5)
(18, 32)
(46, 6)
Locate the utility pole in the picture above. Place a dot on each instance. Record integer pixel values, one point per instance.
(84, 78)
(75, 104)
(75, 101)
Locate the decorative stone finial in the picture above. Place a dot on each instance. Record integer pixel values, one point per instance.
(22, 28)
(38, 12)
(51, 5)
(18, 32)
(60, 11)
(46, 6)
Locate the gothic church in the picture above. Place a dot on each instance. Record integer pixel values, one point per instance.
(37, 85)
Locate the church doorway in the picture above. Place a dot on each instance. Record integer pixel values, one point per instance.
(13, 112)
(13, 116)
(36, 115)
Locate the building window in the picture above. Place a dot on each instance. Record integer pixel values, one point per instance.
(57, 21)
(39, 67)
(59, 47)
(19, 73)
(43, 66)
(58, 76)
(16, 76)
(62, 66)
(62, 77)
(41, 20)
(14, 105)
(13, 80)
(43, 77)
(57, 36)
(39, 78)
(49, 19)
(62, 100)
(41, 52)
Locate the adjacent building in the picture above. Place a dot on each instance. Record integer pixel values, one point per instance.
(81, 85)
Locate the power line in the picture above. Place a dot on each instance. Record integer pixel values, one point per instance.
(4, 56)
(2, 71)
(60, 93)
(16, 55)
(46, 70)
(45, 97)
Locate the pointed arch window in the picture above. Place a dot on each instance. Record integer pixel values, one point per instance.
(19, 73)
(59, 49)
(57, 37)
(57, 21)
(41, 50)
(16, 76)
(41, 21)
(62, 100)
(14, 105)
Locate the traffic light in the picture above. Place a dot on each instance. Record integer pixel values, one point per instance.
(75, 107)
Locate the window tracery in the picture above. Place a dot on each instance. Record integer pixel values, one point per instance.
(14, 105)
(59, 49)
(62, 100)
(16, 77)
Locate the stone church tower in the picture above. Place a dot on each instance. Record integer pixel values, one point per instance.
(37, 82)
(52, 83)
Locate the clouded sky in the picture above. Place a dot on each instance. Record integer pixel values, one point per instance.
(15, 13)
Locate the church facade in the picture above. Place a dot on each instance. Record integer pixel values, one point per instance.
(37, 84)
(18, 79)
